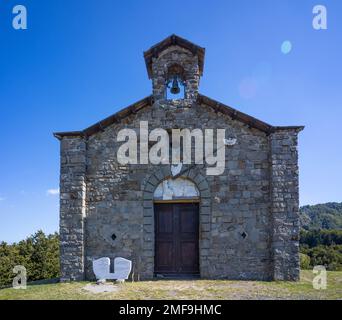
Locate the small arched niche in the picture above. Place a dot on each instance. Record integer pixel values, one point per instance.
(176, 189)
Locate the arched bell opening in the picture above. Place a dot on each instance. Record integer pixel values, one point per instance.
(175, 82)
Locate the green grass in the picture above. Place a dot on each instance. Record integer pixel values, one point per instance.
(187, 289)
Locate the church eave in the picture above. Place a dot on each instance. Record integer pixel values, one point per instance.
(243, 117)
(103, 124)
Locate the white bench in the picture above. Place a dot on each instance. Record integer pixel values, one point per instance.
(122, 269)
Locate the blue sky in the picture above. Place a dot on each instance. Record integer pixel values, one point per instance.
(80, 61)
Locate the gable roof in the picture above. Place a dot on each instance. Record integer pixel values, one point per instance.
(148, 101)
(172, 40)
(114, 118)
(243, 117)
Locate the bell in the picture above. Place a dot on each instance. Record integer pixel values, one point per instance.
(175, 87)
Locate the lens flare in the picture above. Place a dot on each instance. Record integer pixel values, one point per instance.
(286, 47)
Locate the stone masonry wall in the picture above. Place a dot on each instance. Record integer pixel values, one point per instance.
(72, 207)
(235, 227)
(285, 205)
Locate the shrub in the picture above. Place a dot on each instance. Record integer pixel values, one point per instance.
(304, 261)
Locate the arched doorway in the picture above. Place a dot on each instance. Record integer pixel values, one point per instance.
(176, 221)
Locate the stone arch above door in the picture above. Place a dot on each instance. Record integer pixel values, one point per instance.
(176, 189)
(162, 173)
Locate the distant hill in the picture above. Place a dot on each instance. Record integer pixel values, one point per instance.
(321, 216)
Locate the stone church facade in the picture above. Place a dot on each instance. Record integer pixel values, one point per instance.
(242, 224)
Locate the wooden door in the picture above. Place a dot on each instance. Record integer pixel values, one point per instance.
(176, 238)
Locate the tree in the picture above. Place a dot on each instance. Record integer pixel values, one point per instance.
(39, 254)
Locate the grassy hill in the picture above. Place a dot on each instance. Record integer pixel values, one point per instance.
(195, 289)
(321, 216)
